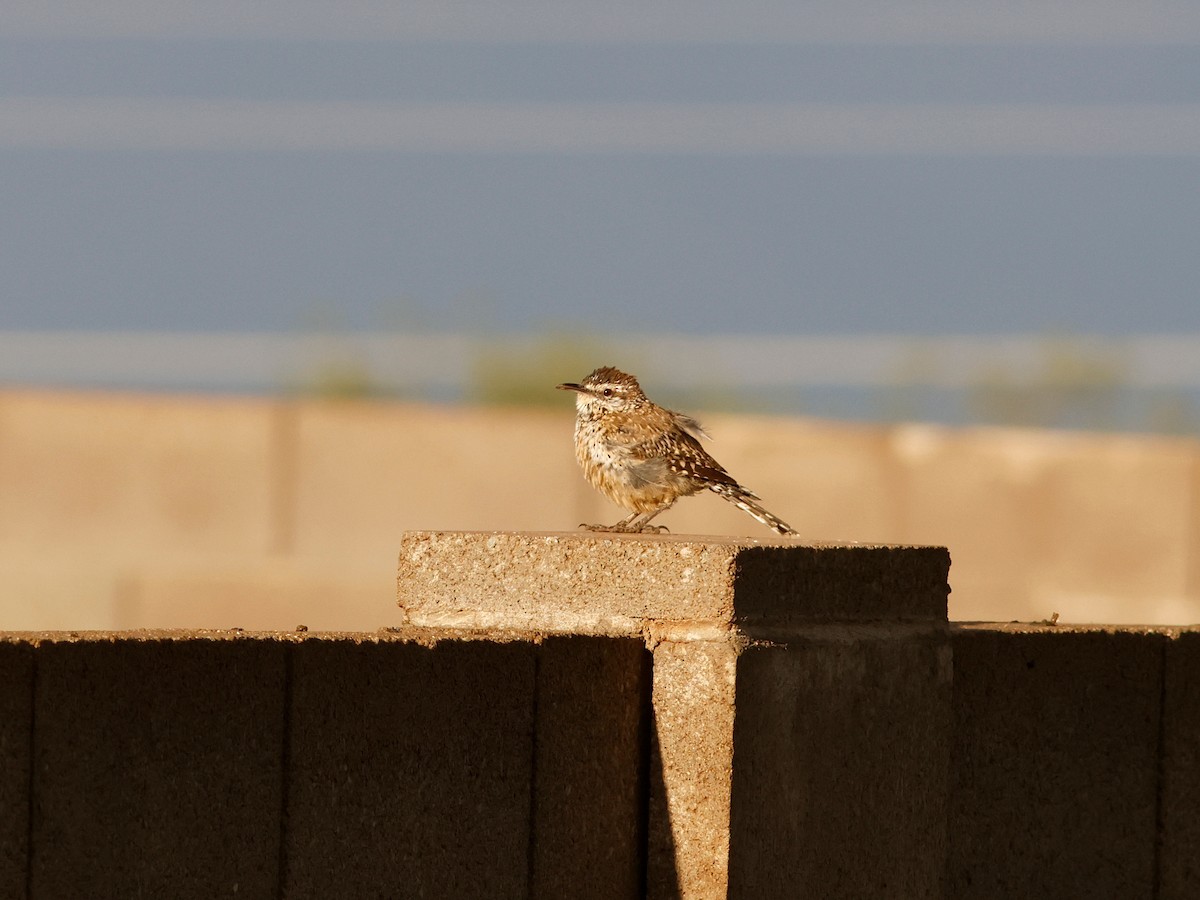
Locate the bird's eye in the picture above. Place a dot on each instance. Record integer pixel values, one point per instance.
(607, 392)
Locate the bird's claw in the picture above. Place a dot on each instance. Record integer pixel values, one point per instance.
(625, 529)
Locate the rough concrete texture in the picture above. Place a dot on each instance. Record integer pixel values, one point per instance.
(466, 768)
(157, 767)
(1055, 762)
(590, 767)
(417, 762)
(16, 706)
(702, 604)
(840, 583)
(450, 763)
(695, 686)
(619, 584)
(410, 769)
(820, 763)
(1179, 878)
(840, 753)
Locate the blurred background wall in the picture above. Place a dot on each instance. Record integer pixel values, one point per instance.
(135, 510)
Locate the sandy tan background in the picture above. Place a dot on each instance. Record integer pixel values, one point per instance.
(127, 511)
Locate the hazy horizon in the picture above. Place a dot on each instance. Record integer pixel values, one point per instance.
(854, 168)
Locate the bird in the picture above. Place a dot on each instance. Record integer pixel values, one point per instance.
(643, 457)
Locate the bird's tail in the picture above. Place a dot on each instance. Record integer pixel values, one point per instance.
(747, 501)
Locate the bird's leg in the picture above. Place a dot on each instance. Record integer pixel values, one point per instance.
(645, 526)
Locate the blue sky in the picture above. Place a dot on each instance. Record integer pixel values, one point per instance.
(756, 168)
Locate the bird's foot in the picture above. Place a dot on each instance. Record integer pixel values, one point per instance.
(622, 528)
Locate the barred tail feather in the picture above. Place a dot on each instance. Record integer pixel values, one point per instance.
(745, 501)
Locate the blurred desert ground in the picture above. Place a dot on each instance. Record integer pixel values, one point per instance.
(145, 510)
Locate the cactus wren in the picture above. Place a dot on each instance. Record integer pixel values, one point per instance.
(644, 457)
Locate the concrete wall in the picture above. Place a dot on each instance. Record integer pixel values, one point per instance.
(712, 718)
(123, 511)
(208, 765)
(1062, 761)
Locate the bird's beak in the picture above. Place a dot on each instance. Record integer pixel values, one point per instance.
(572, 387)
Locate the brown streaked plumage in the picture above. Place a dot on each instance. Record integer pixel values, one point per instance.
(644, 457)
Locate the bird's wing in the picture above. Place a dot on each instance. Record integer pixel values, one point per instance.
(688, 425)
(692, 459)
(649, 472)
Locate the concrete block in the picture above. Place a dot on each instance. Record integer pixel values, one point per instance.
(621, 584)
(590, 768)
(16, 719)
(1055, 762)
(695, 687)
(755, 799)
(841, 746)
(157, 767)
(709, 606)
(410, 768)
(1179, 855)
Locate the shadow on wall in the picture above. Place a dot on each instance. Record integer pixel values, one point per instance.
(323, 766)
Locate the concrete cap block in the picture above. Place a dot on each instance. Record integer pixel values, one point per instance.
(622, 584)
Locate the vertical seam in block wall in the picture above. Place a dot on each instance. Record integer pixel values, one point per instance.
(531, 840)
(30, 789)
(1160, 769)
(285, 768)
